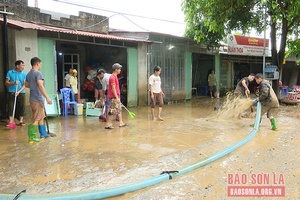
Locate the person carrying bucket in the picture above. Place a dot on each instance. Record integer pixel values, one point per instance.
(35, 81)
(268, 99)
(98, 91)
(15, 82)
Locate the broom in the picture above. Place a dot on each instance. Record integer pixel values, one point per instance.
(13, 124)
(131, 114)
(48, 131)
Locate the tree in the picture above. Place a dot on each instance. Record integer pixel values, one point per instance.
(294, 49)
(210, 21)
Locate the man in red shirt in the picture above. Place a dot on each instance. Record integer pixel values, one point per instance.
(113, 92)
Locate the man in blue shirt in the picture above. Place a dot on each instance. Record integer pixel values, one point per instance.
(15, 83)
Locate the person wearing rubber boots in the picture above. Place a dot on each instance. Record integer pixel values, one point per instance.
(35, 81)
(268, 99)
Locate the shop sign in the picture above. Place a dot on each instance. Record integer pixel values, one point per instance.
(248, 46)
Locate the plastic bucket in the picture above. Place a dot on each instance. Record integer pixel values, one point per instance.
(80, 109)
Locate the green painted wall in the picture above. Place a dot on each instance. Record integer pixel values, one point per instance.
(46, 52)
(188, 75)
(132, 81)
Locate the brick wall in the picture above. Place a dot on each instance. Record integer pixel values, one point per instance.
(84, 21)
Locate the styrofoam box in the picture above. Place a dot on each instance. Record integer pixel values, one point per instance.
(90, 111)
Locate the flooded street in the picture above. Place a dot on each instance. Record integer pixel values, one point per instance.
(86, 157)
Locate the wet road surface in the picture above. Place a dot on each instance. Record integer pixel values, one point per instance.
(84, 156)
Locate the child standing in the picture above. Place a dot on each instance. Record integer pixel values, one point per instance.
(156, 92)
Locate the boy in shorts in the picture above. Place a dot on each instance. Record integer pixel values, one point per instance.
(156, 92)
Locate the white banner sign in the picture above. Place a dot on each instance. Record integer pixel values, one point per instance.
(248, 46)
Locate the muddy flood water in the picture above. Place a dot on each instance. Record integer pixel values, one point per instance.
(86, 157)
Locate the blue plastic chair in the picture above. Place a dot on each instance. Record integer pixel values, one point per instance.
(68, 98)
(284, 90)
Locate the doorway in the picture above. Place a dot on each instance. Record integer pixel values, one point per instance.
(241, 70)
(70, 61)
(201, 67)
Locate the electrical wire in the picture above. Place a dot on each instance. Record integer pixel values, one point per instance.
(103, 20)
(134, 23)
(59, 28)
(107, 10)
(121, 14)
(81, 29)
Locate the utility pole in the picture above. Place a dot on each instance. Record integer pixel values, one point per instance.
(264, 53)
(5, 5)
(5, 43)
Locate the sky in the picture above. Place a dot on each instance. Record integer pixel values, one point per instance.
(168, 11)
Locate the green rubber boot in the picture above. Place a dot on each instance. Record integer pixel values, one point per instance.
(273, 123)
(252, 125)
(32, 131)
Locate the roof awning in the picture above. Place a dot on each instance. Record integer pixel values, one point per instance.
(20, 25)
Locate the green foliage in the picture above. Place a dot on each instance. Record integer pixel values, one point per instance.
(210, 21)
(294, 49)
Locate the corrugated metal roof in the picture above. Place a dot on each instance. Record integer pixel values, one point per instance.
(30, 25)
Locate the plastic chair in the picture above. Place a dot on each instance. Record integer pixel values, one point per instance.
(68, 98)
(203, 90)
(194, 90)
(284, 90)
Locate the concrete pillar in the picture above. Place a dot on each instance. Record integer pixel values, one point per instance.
(188, 75)
(217, 70)
(142, 75)
(26, 44)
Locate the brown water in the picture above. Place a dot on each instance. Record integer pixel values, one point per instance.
(84, 156)
(234, 108)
